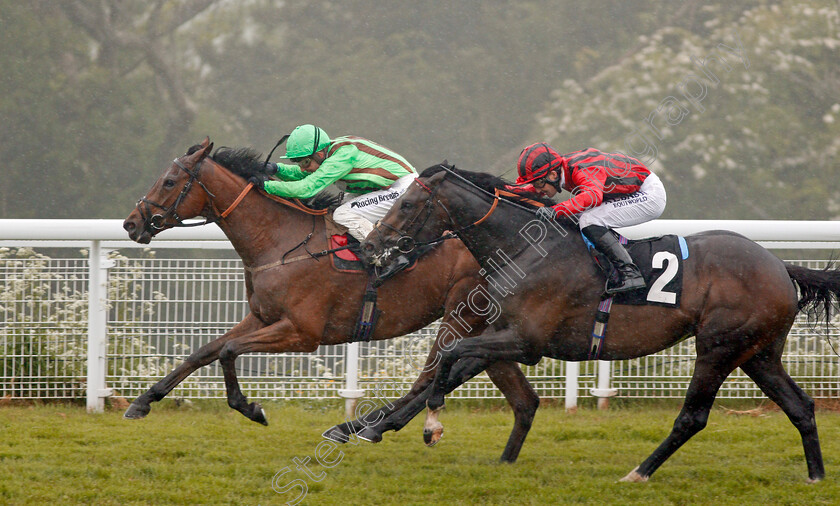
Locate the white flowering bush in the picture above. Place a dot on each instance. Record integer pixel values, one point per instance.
(761, 142)
(44, 325)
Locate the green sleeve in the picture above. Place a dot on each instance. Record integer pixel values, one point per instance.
(338, 165)
(288, 172)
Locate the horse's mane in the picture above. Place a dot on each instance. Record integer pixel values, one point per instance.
(247, 163)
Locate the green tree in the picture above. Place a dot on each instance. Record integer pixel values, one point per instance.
(432, 80)
(761, 135)
(102, 94)
(92, 94)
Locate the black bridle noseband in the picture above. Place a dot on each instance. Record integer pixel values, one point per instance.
(406, 242)
(157, 221)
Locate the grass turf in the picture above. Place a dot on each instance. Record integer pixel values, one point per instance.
(208, 454)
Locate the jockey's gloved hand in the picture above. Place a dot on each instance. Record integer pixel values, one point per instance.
(269, 169)
(546, 213)
(257, 181)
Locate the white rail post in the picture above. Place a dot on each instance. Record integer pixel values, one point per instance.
(604, 392)
(572, 386)
(97, 366)
(351, 392)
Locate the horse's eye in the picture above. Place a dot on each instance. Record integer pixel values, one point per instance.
(169, 184)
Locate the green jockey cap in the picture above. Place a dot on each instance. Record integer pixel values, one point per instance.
(306, 140)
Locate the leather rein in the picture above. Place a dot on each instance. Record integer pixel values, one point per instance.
(155, 222)
(406, 243)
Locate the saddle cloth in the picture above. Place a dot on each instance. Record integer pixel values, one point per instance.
(344, 260)
(660, 259)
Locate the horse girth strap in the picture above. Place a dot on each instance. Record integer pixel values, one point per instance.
(278, 263)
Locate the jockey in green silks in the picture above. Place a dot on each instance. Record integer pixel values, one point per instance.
(372, 174)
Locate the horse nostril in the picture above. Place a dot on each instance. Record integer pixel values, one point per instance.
(368, 247)
(128, 226)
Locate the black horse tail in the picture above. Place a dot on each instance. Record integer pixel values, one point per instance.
(819, 290)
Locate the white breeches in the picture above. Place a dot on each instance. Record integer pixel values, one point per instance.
(359, 214)
(634, 208)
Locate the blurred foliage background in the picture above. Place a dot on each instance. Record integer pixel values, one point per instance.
(97, 96)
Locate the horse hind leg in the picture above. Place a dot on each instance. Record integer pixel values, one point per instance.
(279, 337)
(710, 371)
(524, 401)
(768, 373)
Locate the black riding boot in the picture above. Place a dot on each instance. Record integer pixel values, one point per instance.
(353, 244)
(629, 276)
(397, 265)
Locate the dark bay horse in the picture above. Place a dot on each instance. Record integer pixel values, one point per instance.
(738, 300)
(304, 303)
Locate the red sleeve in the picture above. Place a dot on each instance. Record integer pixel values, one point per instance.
(590, 184)
(528, 188)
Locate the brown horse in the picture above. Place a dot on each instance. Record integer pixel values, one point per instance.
(738, 300)
(298, 303)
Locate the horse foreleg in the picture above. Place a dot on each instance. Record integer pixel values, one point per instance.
(341, 432)
(203, 356)
(488, 348)
(462, 372)
(279, 337)
(517, 391)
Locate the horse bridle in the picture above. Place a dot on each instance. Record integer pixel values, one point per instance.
(407, 242)
(157, 222)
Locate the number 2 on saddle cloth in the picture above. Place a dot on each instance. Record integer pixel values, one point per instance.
(660, 261)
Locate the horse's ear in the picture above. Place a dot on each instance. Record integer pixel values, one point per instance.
(204, 149)
(208, 148)
(437, 178)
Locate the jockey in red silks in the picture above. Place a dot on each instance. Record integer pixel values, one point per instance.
(609, 190)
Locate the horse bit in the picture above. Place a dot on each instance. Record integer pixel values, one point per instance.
(407, 243)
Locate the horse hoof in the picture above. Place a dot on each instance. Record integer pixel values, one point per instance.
(258, 414)
(370, 435)
(811, 481)
(635, 477)
(335, 435)
(137, 411)
(431, 437)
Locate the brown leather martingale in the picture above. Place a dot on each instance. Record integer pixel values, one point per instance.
(503, 193)
(295, 204)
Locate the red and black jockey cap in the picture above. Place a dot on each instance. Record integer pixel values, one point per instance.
(536, 161)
